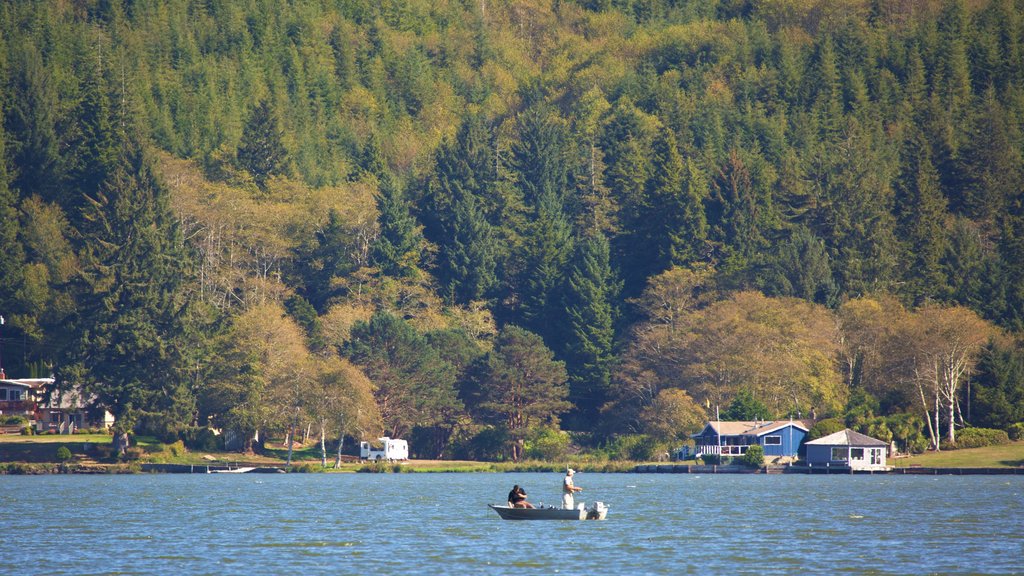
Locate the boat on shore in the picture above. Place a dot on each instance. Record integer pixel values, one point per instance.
(598, 511)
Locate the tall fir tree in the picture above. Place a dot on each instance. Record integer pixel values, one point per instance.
(129, 308)
(922, 221)
(591, 296)
(455, 218)
(675, 204)
(262, 152)
(34, 144)
(398, 248)
(12, 259)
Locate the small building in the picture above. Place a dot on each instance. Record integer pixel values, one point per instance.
(779, 438)
(68, 411)
(20, 396)
(49, 409)
(847, 448)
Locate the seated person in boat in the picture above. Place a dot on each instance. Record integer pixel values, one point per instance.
(517, 498)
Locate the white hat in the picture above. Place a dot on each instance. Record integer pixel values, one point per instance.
(570, 471)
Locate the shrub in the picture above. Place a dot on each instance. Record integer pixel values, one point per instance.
(754, 457)
(1015, 431)
(639, 447)
(825, 427)
(27, 431)
(200, 438)
(132, 453)
(63, 454)
(547, 444)
(13, 420)
(980, 437)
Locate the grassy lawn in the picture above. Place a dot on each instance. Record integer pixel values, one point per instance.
(55, 439)
(1005, 456)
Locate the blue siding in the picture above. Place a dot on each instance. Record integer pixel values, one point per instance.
(791, 438)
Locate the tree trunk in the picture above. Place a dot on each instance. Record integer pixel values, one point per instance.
(291, 442)
(323, 445)
(932, 433)
(938, 430)
(341, 441)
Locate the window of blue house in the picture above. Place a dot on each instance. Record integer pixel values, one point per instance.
(839, 453)
(773, 440)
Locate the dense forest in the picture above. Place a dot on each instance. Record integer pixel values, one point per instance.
(508, 229)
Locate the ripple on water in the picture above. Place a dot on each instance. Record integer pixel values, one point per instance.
(659, 524)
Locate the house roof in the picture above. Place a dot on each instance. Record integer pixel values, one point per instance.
(32, 383)
(752, 428)
(847, 438)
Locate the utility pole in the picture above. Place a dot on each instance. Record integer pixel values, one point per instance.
(3, 376)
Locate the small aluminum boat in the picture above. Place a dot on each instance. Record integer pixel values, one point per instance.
(596, 512)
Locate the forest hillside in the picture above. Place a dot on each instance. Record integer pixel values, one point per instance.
(501, 228)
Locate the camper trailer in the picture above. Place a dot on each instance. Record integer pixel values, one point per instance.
(384, 449)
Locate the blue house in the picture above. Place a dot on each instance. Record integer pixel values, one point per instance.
(778, 438)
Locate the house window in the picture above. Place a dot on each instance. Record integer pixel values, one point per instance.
(773, 440)
(857, 453)
(3, 394)
(839, 453)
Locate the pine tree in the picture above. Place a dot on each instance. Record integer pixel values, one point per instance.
(12, 254)
(590, 300)
(32, 136)
(455, 218)
(262, 152)
(675, 206)
(399, 245)
(128, 319)
(922, 220)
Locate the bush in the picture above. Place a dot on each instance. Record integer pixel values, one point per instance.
(980, 437)
(1015, 431)
(13, 420)
(825, 427)
(547, 444)
(63, 454)
(638, 447)
(200, 438)
(133, 453)
(27, 431)
(754, 457)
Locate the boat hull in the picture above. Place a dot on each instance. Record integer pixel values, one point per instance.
(596, 512)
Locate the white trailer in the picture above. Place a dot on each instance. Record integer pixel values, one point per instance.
(384, 449)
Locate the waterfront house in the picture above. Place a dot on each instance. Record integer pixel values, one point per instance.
(779, 438)
(48, 409)
(17, 398)
(847, 448)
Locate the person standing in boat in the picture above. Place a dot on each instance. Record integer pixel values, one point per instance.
(568, 489)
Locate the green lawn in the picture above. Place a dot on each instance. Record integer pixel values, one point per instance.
(55, 439)
(1006, 456)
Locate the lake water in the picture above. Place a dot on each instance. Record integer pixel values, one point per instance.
(440, 524)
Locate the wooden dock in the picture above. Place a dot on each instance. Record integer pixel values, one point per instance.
(713, 469)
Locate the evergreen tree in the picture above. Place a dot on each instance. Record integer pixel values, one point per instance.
(456, 220)
(590, 301)
(414, 385)
(997, 388)
(548, 248)
(745, 406)
(398, 247)
(32, 127)
(262, 152)
(128, 312)
(522, 385)
(921, 211)
(12, 257)
(800, 267)
(675, 207)
(325, 261)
